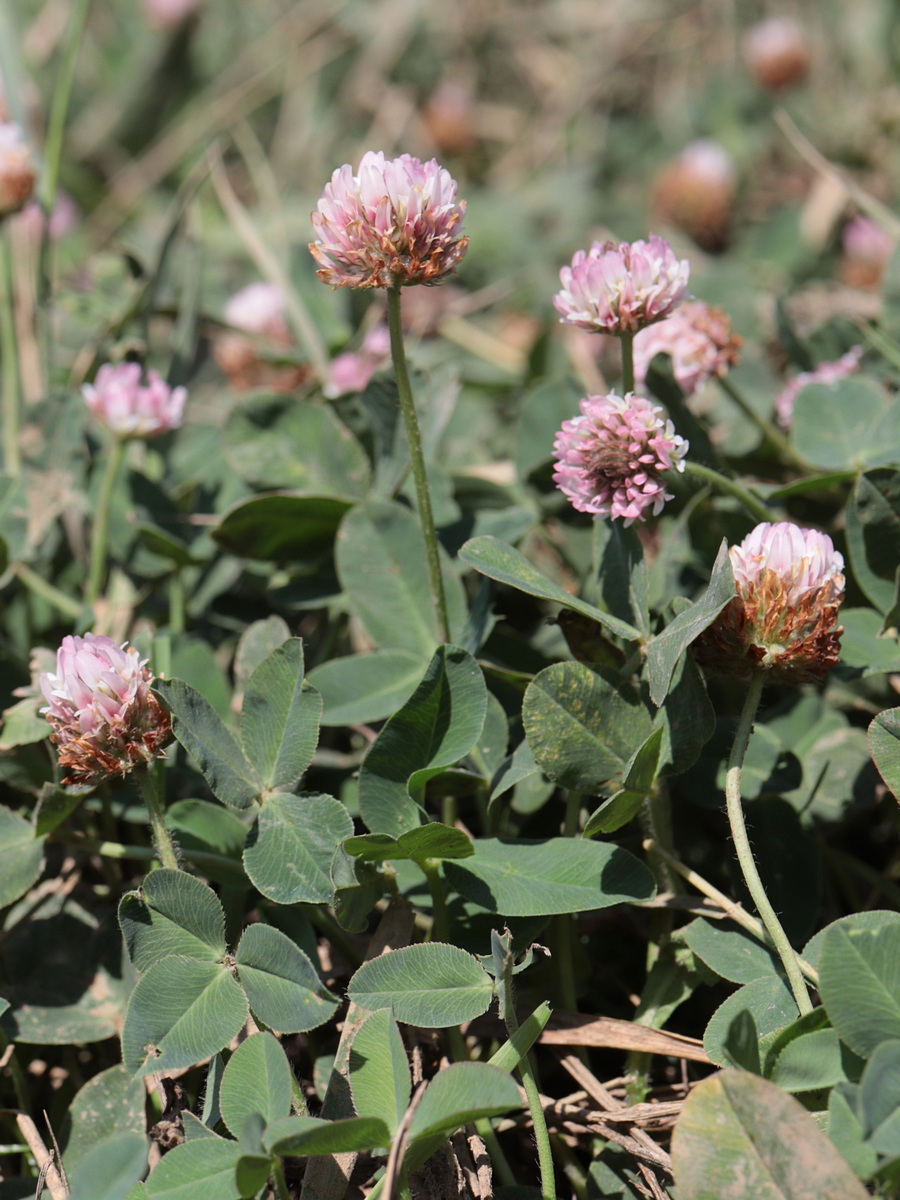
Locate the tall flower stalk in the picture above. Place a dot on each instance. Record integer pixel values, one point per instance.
(394, 224)
(780, 626)
(735, 811)
(128, 409)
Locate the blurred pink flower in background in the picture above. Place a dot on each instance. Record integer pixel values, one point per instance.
(777, 52)
(826, 372)
(696, 193)
(867, 247)
(609, 460)
(699, 340)
(131, 409)
(619, 288)
(167, 14)
(396, 222)
(17, 173)
(104, 716)
(790, 585)
(351, 371)
(259, 308)
(64, 218)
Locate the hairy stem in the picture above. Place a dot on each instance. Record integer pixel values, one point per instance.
(745, 853)
(162, 838)
(417, 462)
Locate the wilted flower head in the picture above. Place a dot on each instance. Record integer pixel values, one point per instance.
(351, 371)
(826, 372)
(131, 409)
(17, 172)
(619, 288)
(696, 193)
(396, 222)
(776, 51)
(259, 308)
(609, 461)
(699, 340)
(783, 620)
(105, 718)
(867, 247)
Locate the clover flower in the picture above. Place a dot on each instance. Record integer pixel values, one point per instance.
(777, 52)
(132, 410)
(826, 372)
(867, 246)
(17, 174)
(259, 308)
(619, 288)
(396, 222)
(696, 193)
(699, 340)
(609, 460)
(783, 620)
(105, 718)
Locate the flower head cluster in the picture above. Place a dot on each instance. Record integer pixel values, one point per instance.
(397, 222)
(867, 247)
(699, 340)
(131, 409)
(105, 718)
(259, 308)
(696, 192)
(609, 460)
(826, 372)
(777, 52)
(783, 620)
(619, 288)
(17, 172)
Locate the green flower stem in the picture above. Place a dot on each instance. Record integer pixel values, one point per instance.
(35, 583)
(772, 435)
(538, 1120)
(730, 487)
(148, 782)
(176, 602)
(12, 416)
(745, 853)
(116, 850)
(441, 926)
(730, 908)
(101, 520)
(627, 342)
(417, 462)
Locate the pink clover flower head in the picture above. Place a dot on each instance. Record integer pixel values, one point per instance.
(777, 52)
(396, 222)
(259, 308)
(104, 716)
(64, 218)
(17, 173)
(610, 459)
(790, 584)
(130, 409)
(699, 340)
(619, 288)
(865, 239)
(826, 372)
